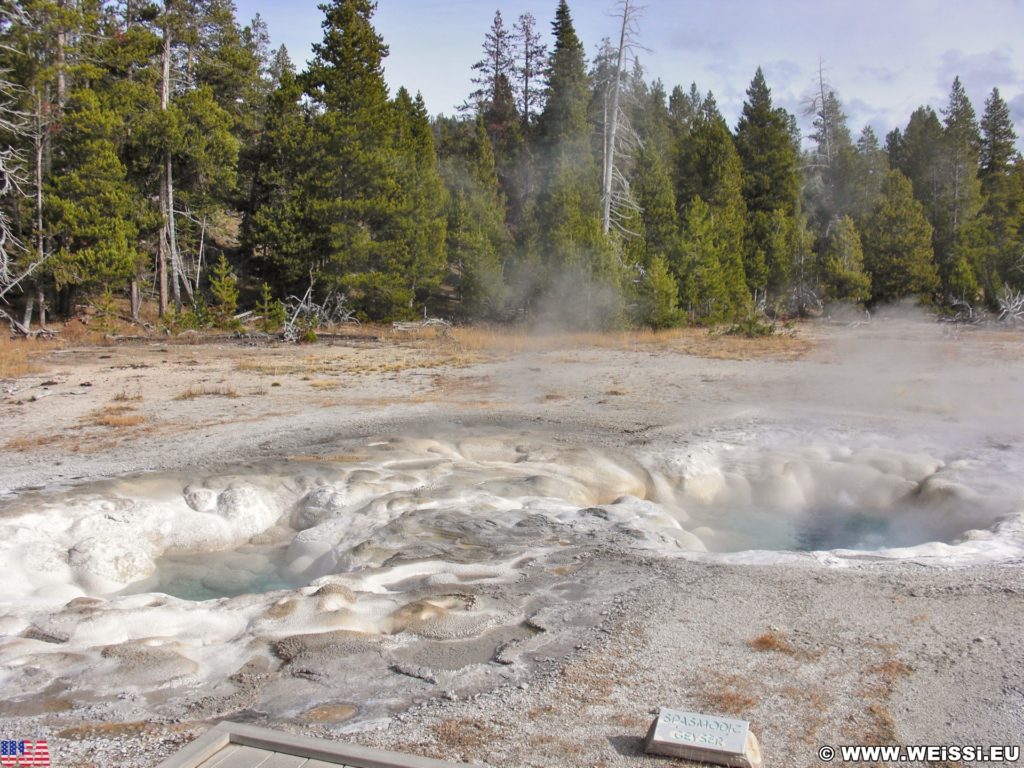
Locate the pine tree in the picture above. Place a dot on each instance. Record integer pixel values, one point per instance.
(419, 226)
(230, 61)
(703, 293)
(770, 185)
(234, 62)
(354, 199)
(280, 63)
(829, 192)
(770, 163)
(478, 244)
(204, 152)
(998, 146)
(684, 109)
(894, 149)
(996, 235)
(961, 193)
(564, 119)
(870, 169)
(831, 132)
(35, 59)
(650, 116)
(496, 69)
(93, 217)
(658, 305)
(843, 264)
(568, 209)
(708, 167)
(495, 99)
(656, 198)
(505, 129)
(530, 57)
(805, 283)
(278, 229)
(224, 287)
(897, 241)
(270, 311)
(918, 156)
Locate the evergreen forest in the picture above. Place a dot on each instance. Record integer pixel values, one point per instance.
(164, 155)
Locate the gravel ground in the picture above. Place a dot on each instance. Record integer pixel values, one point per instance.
(603, 633)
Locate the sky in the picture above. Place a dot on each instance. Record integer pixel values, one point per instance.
(883, 58)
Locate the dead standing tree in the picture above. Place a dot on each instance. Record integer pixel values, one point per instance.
(13, 181)
(617, 204)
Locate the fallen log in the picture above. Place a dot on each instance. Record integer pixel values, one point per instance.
(432, 322)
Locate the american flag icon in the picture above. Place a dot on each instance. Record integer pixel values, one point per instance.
(19, 752)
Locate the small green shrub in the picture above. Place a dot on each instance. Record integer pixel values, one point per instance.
(270, 311)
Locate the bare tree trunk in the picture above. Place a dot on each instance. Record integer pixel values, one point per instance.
(41, 301)
(202, 247)
(172, 239)
(161, 270)
(26, 318)
(39, 140)
(612, 126)
(606, 168)
(135, 299)
(612, 120)
(165, 251)
(826, 125)
(60, 44)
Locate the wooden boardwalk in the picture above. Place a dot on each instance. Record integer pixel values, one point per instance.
(234, 745)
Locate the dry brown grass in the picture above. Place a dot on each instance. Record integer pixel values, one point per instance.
(772, 641)
(31, 442)
(875, 724)
(882, 727)
(729, 701)
(119, 420)
(387, 359)
(890, 671)
(590, 679)
(77, 333)
(273, 366)
(814, 702)
(324, 384)
(19, 357)
(115, 416)
(125, 397)
(463, 733)
(695, 341)
(727, 694)
(207, 390)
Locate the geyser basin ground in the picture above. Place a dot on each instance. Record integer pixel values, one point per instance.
(394, 566)
(438, 501)
(546, 640)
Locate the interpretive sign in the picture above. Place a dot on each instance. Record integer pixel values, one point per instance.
(703, 738)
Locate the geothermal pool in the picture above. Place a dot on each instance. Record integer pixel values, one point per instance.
(397, 500)
(158, 582)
